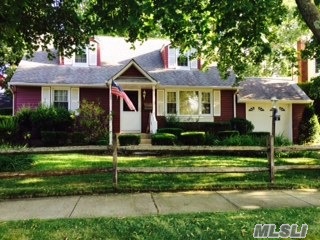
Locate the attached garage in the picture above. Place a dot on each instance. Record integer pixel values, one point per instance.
(260, 116)
(256, 94)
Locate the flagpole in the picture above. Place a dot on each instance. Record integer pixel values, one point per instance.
(110, 114)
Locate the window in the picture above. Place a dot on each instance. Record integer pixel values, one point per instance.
(81, 57)
(189, 103)
(60, 98)
(205, 103)
(178, 60)
(171, 103)
(183, 61)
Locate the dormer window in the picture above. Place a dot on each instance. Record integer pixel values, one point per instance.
(178, 60)
(81, 57)
(88, 56)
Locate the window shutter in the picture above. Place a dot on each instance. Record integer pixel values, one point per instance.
(45, 96)
(160, 102)
(68, 60)
(74, 99)
(217, 103)
(194, 61)
(93, 54)
(172, 58)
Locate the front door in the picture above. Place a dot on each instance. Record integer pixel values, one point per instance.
(130, 121)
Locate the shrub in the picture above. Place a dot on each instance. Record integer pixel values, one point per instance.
(92, 121)
(226, 134)
(129, 139)
(193, 138)
(175, 131)
(8, 130)
(77, 138)
(163, 139)
(281, 140)
(309, 128)
(24, 124)
(15, 163)
(54, 138)
(243, 126)
(215, 127)
(173, 121)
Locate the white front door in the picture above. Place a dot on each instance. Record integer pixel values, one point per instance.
(130, 121)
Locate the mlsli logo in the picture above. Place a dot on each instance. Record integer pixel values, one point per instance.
(285, 231)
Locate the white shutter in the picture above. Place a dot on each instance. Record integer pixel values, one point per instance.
(194, 61)
(45, 96)
(217, 103)
(172, 58)
(93, 54)
(160, 102)
(74, 99)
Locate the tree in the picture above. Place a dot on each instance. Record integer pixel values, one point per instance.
(235, 34)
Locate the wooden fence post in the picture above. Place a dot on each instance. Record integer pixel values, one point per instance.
(115, 161)
(271, 158)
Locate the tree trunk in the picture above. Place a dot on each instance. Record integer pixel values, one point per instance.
(310, 15)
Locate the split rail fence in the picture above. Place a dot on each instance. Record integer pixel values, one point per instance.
(269, 150)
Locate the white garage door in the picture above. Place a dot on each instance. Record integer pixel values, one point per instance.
(260, 115)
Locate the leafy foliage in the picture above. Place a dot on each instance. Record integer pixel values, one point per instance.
(309, 128)
(15, 163)
(163, 139)
(92, 121)
(242, 125)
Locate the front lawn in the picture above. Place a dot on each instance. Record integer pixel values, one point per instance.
(235, 225)
(102, 182)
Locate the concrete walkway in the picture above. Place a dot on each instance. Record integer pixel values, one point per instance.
(142, 204)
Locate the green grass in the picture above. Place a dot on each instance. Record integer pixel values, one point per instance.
(235, 225)
(102, 183)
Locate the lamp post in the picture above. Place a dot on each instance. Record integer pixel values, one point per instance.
(275, 117)
(274, 101)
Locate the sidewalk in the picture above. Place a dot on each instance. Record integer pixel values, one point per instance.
(141, 204)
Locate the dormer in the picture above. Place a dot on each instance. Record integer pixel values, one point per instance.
(173, 58)
(89, 56)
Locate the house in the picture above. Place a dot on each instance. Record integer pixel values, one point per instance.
(159, 80)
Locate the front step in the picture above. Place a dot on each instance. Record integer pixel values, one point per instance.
(145, 139)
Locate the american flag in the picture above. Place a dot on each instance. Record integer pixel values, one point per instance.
(118, 91)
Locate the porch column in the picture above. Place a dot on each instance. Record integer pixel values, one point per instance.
(110, 115)
(153, 100)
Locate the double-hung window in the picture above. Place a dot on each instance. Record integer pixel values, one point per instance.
(81, 58)
(172, 103)
(60, 99)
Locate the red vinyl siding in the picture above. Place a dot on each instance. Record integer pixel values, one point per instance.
(227, 107)
(97, 95)
(26, 97)
(241, 110)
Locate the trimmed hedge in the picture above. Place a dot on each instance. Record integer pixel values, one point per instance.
(242, 125)
(193, 138)
(175, 131)
(129, 139)
(163, 139)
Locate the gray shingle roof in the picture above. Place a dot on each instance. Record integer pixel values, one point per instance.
(264, 89)
(115, 54)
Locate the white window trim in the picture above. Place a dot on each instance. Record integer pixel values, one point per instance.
(175, 52)
(80, 64)
(60, 88)
(200, 103)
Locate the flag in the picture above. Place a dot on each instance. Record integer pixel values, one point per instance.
(118, 91)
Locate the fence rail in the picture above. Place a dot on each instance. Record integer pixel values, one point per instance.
(270, 150)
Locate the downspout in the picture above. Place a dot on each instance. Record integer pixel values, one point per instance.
(110, 114)
(13, 97)
(235, 104)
